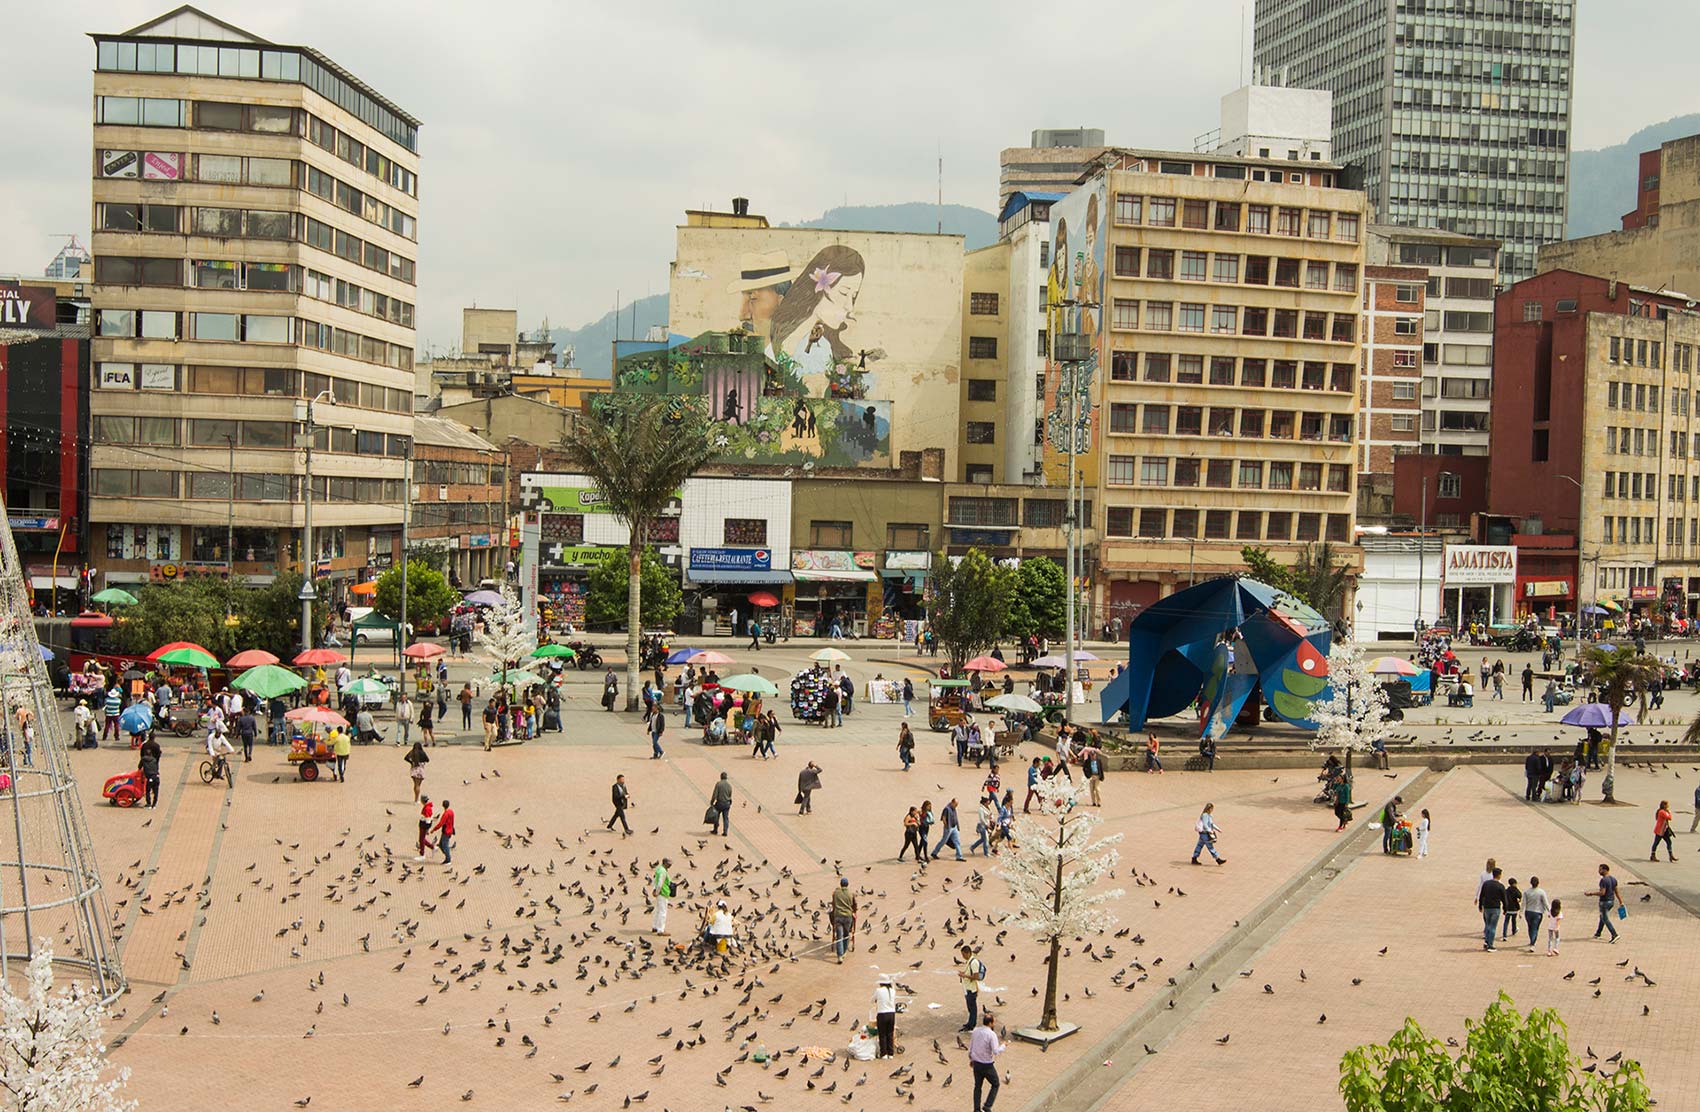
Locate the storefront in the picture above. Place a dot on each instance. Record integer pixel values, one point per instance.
(1479, 584)
(719, 583)
(834, 587)
(903, 587)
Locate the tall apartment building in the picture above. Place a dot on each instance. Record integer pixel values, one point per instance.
(986, 382)
(255, 216)
(1053, 160)
(1025, 225)
(1222, 294)
(1456, 329)
(1391, 372)
(1455, 116)
(1595, 435)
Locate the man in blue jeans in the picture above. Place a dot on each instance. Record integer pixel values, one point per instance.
(657, 724)
(1608, 897)
(952, 835)
(1491, 901)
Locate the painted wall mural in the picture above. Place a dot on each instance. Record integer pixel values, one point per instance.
(1074, 293)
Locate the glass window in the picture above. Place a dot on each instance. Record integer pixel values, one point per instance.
(269, 171)
(156, 484)
(209, 485)
(218, 222)
(271, 119)
(1159, 316)
(268, 225)
(1280, 475)
(118, 322)
(1151, 522)
(267, 330)
(1193, 266)
(211, 432)
(159, 325)
(268, 276)
(1156, 420)
(1120, 471)
(217, 116)
(214, 326)
(156, 430)
(1185, 524)
(214, 274)
(1227, 268)
(221, 168)
(1191, 318)
(265, 434)
(1162, 212)
(128, 218)
(115, 430)
(1154, 471)
(1186, 472)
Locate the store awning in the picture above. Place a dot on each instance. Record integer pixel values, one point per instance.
(731, 576)
(818, 575)
(916, 577)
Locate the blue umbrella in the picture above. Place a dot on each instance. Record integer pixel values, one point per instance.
(1606, 647)
(679, 656)
(136, 719)
(1596, 714)
(46, 653)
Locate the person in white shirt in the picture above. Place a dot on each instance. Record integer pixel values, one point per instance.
(85, 722)
(720, 926)
(885, 1016)
(984, 1046)
(217, 742)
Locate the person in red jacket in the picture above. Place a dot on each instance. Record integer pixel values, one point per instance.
(426, 813)
(1662, 832)
(445, 830)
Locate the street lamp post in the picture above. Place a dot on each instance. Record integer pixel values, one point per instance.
(230, 532)
(1070, 348)
(406, 514)
(309, 558)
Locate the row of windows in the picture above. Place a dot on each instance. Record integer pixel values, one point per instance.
(1251, 320)
(1246, 525)
(1205, 266)
(315, 233)
(198, 432)
(251, 328)
(1278, 374)
(1433, 254)
(1634, 353)
(118, 482)
(1130, 209)
(1253, 424)
(1629, 530)
(254, 64)
(267, 382)
(1222, 474)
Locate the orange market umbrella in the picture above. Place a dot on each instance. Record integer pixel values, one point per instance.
(709, 656)
(320, 656)
(763, 598)
(985, 664)
(364, 588)
(250, 658)
(316, 714)
(423, 651)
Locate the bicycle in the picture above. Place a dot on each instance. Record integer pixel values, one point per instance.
(216, 767)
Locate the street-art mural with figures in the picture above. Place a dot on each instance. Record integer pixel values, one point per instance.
(1074, 296)
(835, 325)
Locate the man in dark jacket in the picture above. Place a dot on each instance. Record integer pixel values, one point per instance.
(622, 800)
(149, 764)
(1532, 776)
(722, 804)
(808, 781)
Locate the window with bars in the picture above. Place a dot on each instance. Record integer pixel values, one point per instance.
(983, 304)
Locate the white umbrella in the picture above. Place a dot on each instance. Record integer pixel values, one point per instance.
(829, 654)
(1056, 660)
(1013, 701)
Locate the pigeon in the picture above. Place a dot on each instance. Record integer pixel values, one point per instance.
(416, 1082)
(1223, 1041)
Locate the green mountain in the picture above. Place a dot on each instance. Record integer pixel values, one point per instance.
(1603, 182)
(593, 343)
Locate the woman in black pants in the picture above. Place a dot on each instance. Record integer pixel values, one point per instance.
(912, 836)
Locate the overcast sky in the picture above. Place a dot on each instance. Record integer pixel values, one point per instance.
(562, 141)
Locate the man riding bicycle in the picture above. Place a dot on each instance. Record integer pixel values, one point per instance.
(218, 747)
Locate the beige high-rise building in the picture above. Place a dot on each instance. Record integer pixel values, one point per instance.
(1223, 296)
(255, 240)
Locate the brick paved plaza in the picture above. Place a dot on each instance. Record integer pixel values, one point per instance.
(340, 969)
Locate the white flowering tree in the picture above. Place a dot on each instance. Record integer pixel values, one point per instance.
(507, 633)
(1354, 715)
(1054, 873)
(51, 1054)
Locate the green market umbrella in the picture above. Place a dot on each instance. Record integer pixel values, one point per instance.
(367, 685)
(514, 676)
(193, 657)
(553, 650)
(268, 680)
(758, 684)
(114, 596)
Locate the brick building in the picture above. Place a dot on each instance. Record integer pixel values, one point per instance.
(459, 500)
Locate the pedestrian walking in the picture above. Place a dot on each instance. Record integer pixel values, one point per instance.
(843, 917)
(1422, 834)
(1549, 697)
(885, 1016)
(426, 733)
(721, 804)
(445, 830)
(908, 696)
(416, 759)
(661, 888)
(247, 728)
(1662, 832)
(1490, 901)
(403, 721)
(770, 734)
(1608, 896)
(149, 764)
(1092, 767)
(1032, 786)
(610, 690)
(1528, 682)
(1208, 831)
(1555, 921)
(1342, 790)
(952, 835)
(341, 745)
(465, 697)
(1513, 908)
(984, 1046)
(808, 782)
(622, 800)
(427, 813)
(912, 835)
(657, 727)
(905, 745)
(971, 976)
(1153, 760)
(755, 635)
(1535, 907)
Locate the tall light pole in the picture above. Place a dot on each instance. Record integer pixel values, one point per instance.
(230, 533)
(309, 558)
(1580, 567)
(406, 513)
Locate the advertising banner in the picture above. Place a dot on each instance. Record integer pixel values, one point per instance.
(27, 306)
(1477, 565)
(731, 559)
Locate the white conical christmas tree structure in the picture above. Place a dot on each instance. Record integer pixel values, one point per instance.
(49, 884)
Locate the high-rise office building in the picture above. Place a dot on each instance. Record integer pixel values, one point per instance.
(255, 238)
(1455, 116)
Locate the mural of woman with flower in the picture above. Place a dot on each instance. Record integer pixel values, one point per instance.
(809, 324)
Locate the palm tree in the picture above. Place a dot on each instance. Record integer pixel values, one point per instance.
(1320, 581)
(638, 449)
(1619, 674)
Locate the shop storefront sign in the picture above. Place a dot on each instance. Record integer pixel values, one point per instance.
(34, 524)
(584, 500)
(908, 561)
(731, 559)
(575, 555)
(1479, 565)
(830, 559)
(1643, 592)
(1546, 588)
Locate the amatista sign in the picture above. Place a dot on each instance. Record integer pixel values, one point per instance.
(1479, 565)
(27, 306)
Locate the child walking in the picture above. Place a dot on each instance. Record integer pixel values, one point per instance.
(1422, 834)
(1555, 919)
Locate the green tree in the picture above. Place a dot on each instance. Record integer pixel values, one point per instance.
(1040, 605)
(1265, 569)
(1509, 1064)
(1618, 674)
(188, 610)
(606, 604)
(429, 596)
(969, 604)
(270, 616)
(1315, 577)
(637, 449)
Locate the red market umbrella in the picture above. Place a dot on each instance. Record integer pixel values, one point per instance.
(174, 646)
(364, 588)
(90, 620)
(423, 651)
(709, 656)
(985, 664)
(250, 658)
(316, 714)
(320, 656)
(763, 598)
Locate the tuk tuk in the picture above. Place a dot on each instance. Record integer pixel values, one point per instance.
(947, 703)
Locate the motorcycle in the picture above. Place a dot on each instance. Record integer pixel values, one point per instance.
(584, 655)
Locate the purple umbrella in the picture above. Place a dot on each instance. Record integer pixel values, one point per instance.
(1596, 714)
(486, 598)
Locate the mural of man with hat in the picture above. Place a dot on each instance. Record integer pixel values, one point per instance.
(764, 278)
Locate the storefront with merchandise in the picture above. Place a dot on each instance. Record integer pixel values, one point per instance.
(903, 590)
(726, 584)
(834, 587)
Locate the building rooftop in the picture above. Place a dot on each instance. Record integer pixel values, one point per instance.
(1429, 235)
(1213, 156)
(440, 432)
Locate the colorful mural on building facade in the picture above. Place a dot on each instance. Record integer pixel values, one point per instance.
(1075, 303)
